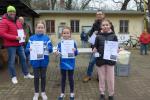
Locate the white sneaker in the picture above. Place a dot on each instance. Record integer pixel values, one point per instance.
(36, 96)
(28, 76)
(14, 80)
(44, 96)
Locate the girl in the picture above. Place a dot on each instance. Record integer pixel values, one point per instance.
(67, 64)
(105, 68)
(40, 64)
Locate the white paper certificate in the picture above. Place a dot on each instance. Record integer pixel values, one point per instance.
(110, 50)
(66, 48)
(37, 50)
(92, 39)
(21, 35)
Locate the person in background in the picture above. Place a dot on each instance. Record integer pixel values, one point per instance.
(105, 67)
(40, 65)
(26, 28)
(144, 40)
(9, 29)
(67, 65)
(84, 39)
(95, 28)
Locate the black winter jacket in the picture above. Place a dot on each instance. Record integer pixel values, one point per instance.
(99, 44)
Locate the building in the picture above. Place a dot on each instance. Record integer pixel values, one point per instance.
(125, 22)
(22, 8)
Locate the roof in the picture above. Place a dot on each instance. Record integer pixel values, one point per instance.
(88, 12)
(21, 7)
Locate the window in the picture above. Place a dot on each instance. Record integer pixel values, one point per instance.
(50, 26)
(124, 26)
(74, 25)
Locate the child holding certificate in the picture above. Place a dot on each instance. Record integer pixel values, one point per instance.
(105, 67)
(68, 50)
(39, 47)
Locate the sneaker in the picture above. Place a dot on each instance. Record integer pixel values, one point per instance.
(71, 98)
(61, 97)
(102, 97)
(110, 98)
(14, 80)
(28, 76)
(86, 79)
(36, 96)
(44, 96)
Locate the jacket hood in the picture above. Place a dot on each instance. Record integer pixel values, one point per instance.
(5, 16)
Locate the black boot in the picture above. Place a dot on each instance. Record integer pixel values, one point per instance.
(110, 98)
(102, 97)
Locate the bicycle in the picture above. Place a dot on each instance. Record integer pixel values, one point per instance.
(132, 42)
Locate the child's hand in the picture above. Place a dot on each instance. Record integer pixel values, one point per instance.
(57, 53)
(120, 49)
(30, 49)
(94, 50)
(73, 49)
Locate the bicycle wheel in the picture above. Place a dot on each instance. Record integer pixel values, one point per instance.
(126, 45)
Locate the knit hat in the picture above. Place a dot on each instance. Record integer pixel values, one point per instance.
(11, 9)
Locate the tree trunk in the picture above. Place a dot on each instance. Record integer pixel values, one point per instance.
(84, 5)
(124, 6)
(53, 2)
(69, 5)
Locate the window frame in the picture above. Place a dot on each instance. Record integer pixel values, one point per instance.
(76, 25)
(49, 27)
(124, 26)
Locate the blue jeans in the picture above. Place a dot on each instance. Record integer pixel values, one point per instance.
(144, 48)
(91, 65)
(84, 44)
(11, 60)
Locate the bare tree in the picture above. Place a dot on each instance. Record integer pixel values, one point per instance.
(125, 4)
(85, 4)
(51, 4)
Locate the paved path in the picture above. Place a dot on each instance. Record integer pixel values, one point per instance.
(134, 87)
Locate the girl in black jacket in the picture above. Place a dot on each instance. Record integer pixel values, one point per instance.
(105, 68)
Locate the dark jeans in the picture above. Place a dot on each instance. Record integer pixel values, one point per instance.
(39, 73)
(91, 65)
(63, 80)
(11, 60)
(143, 48)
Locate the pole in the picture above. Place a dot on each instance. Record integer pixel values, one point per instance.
(145, 19)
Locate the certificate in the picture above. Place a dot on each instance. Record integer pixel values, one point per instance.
(92, 39)
(21, 35)
(110, 50)
(66, 48)
(37, 50)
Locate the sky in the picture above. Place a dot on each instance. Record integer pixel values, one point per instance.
(110, 5)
